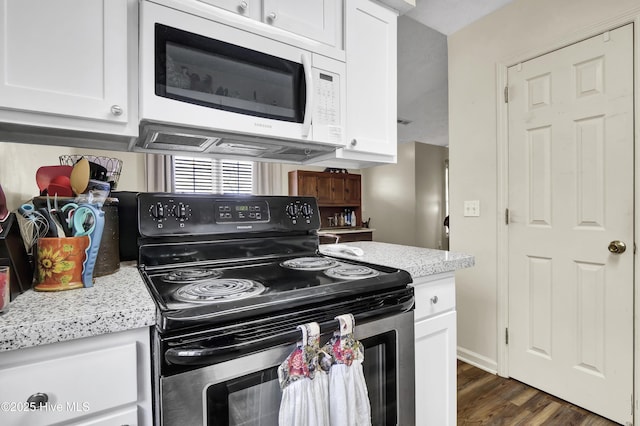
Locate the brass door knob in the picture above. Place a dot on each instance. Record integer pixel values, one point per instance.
(617, 247)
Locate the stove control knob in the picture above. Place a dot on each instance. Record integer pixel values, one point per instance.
(157, 211)
(292, 211)
(307, 211)
(182, 211)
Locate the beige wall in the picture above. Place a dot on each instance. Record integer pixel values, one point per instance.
(405, 201)
(19, 163)
(524, 27)
(430, 199)
(388, 198)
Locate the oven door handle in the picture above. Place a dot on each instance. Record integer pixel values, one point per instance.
(200, 355)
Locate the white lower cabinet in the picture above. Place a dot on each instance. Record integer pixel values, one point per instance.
(102, 380)
(435, 346)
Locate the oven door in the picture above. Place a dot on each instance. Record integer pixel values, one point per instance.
(245, 391)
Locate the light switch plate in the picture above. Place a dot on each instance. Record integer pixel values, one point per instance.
(472, 208)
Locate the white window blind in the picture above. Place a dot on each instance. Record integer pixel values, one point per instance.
(201, 174)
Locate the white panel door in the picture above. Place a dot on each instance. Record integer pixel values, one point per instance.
(570, 195)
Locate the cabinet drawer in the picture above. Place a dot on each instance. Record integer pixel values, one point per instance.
(76, 385)
(434, 298)
(126, 417)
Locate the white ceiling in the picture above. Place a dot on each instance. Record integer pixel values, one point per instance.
(448, 16)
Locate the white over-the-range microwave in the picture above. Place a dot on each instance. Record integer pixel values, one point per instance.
(213, 82)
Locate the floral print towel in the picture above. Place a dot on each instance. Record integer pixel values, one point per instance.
(305, 400)
(348, 397)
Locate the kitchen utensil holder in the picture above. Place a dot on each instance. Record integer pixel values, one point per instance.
(113, 165)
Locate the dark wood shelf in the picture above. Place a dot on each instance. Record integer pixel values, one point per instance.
(335, 192)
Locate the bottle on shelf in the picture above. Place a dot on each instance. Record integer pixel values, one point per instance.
(354, 221)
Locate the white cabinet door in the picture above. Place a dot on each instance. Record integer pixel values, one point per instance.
(249, 8)
(315, 19)
(371, 50)
(319, 20)
(436, 370)
(65, 57)
(101, 380)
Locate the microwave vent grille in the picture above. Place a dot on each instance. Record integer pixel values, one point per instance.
(168, 138)
(183, 140)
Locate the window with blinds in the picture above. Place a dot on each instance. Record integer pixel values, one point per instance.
(201, 174)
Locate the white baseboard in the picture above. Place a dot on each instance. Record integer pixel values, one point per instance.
(477, 360)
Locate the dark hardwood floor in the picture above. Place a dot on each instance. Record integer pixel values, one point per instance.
(487, 399)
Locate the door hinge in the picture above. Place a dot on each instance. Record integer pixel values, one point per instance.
(634, 248)
(506, 216)
(506, 335)
(506, 94)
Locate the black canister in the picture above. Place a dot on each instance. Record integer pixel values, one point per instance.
(108, 260)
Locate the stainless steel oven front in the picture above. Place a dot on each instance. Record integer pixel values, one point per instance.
(245, 391)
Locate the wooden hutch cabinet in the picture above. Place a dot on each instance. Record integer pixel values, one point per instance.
(336, 193)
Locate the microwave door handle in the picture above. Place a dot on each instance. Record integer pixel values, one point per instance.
(306, 65)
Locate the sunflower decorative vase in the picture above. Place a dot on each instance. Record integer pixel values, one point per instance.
(59, 263)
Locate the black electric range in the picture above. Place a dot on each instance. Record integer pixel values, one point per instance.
(241, 272)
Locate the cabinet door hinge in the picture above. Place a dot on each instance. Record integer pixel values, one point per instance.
(506, 94)
(506, 335)
(506, 216)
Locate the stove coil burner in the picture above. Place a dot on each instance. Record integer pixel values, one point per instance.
(219, 290)
(310, 263)
(181, 276)
(351, 272)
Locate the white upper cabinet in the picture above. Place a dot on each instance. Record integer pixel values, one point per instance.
(319, 20)
(66, 59)
(402, 6)
(371, 50)
(249, 8)
(371, 34)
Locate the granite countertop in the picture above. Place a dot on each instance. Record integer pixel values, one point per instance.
(353, 230)
(121, 301)
(116, 302)
(418, 261)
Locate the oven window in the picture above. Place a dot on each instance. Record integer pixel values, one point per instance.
(202, 71)
(380, 374)
(254, 399)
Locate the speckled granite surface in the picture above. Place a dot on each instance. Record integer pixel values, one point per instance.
(419, 262)
(338, 231)
(116, 302)
(120, 301)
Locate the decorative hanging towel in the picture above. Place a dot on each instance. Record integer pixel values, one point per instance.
(348, 396)
(304, 385)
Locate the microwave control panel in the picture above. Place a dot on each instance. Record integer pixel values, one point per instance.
(328, 98)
